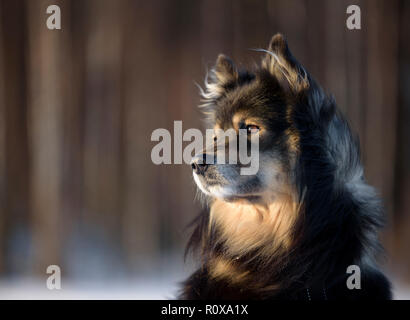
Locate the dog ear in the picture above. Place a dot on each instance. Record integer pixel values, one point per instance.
(221, 77)
(225, 70)
(280, 62)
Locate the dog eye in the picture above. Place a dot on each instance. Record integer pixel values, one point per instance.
(251, 128)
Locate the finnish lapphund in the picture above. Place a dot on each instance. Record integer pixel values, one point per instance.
(297, 228)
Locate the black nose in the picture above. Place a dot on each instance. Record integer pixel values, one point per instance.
(198, 164)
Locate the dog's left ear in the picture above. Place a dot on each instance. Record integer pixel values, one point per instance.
(280, 62)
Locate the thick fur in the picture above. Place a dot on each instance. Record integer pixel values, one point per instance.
(291, 231)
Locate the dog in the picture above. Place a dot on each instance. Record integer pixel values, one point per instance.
(296, 228)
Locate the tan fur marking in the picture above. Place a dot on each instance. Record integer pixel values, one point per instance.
(236, 119)
(293, 140)
(246, 226)
(241, 116)
(291, 133)
(222, 268)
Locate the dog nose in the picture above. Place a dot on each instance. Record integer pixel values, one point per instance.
(198, 164)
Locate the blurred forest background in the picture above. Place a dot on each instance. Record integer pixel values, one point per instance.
(78, 106)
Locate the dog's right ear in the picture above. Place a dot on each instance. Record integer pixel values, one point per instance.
(223, 75)
(225, 70)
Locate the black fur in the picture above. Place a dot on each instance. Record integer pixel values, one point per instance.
(337, 225)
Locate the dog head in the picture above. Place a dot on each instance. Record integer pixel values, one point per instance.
(256, 106)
